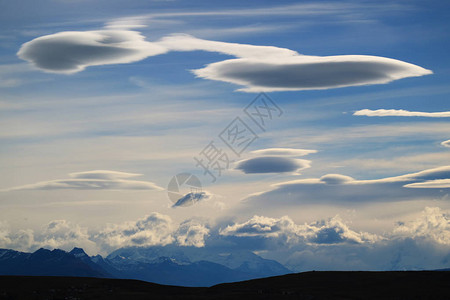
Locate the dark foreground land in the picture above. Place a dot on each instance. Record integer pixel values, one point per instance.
(309, 285)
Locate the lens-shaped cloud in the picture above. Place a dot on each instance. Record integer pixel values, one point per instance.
(256, 68)
(283, 152)
(309, 72)
(73, 51)
(272, 164)
(92, 180)
(431, 184)
(400, 113)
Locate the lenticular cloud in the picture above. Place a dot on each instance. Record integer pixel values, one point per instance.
(255, 68)
(303, 72)
(73, 51)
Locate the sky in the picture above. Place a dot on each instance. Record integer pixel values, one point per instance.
(313, 133)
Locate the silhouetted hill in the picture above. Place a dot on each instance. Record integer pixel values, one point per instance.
(44, 262)
(184, 266)
(309, 285)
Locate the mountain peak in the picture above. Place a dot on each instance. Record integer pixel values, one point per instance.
(78, 252)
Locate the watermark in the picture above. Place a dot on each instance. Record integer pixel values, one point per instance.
(185, 189)
(181, 185)
(237, 136)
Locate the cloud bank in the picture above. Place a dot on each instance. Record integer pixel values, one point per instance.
(400, 113)
(328, 244)
(256, 68)
(92, 180)
(285, 231)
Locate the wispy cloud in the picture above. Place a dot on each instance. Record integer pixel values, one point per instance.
(400, 113)
(431, 184)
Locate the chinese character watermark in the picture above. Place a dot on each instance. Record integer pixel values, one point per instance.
(185, 189)
(237, 136)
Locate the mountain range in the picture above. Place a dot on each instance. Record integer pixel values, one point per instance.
(185, 266)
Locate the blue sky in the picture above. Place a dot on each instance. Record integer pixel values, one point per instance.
(137, 90)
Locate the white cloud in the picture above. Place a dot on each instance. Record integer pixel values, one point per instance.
(65, 235)
(446, 143)
(73, 51)
(344, 191)
(151, 230)
(154, 229)
(301, 72)
(400, 113)
(184, 42)
(331, 245)
(336, 179)
(257, 68)
(431, 184)
(285, 232)
(92, 180)
(283, 152)
(191, 233)
(271, 164)
(432, 224)
(56, 234)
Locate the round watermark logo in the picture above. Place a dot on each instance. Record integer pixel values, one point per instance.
(181, 185)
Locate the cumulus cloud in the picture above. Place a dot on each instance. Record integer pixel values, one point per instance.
(272, 164)
(154, 229)
(192, 198)
(331, 245)
(285, 231)
(65, 235)
(73, 51)
(433, 224)
(256, 68)
(23, 239)
(92, 180)
(191, 233)
(56, 234)
(283, 152)
(400, 113)
(446, 143)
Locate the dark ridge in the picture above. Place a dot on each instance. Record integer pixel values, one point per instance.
(308, 285)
